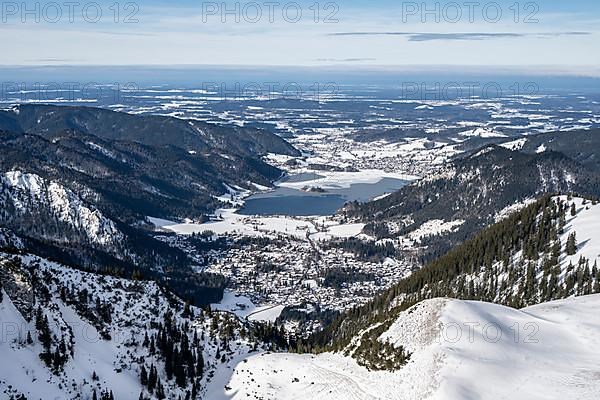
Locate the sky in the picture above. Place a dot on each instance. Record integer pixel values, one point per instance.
(545, 37)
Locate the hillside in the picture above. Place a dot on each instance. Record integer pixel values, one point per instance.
(48, 219)
(68, 333)
(472, 193)
(129, 180)
(78, 184)
(546, 251)
(533, 353)
(151, 130)
(581, 146)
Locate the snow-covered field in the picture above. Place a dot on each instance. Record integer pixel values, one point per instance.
(231, 223)
(432, 228)
(243, 307)
(461, 350)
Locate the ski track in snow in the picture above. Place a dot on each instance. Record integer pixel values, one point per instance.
(556, 354)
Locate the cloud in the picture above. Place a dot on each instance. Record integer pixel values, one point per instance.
(425, 37)
(54, 60)
(345, 59)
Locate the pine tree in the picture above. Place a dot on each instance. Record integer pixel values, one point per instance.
(152, 349)
(596, 288)
(571, 247)
(152, 378)
(186, 310)
(160, 391)
(143, 376)
(200, 364)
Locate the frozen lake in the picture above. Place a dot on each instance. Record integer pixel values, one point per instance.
(296, 202)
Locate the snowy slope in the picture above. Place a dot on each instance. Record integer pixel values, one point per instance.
(22, 369)
(542, 352)
(31, 194)
(482, 132)
(586, 225)
(460, 350)
(112, 349)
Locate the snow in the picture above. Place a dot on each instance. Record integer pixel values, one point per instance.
(383, 196)
(515, 144)
(137, 307)
(513, 208)
(299, 377)
(266, 314)
(159, 222)
(586, 225)
(244, 308)
(483, 133)
(233, 303)
(102, 150)
(541, 352)
(27, 189)
(336, 180)
(541, 148)
(434, 227)
(259, 187)
(483, 152)
(9, 239)
(232, 223)
(21, 366)
(95, 354)
(339, 231)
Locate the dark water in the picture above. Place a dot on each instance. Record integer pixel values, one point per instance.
(292, 202)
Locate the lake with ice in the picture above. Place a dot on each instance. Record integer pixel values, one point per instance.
(291, 198)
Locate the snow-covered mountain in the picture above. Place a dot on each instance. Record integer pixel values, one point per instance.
(67, 333)
(538, 352)
(459, 350)
(29, 196)
(473, 190)
(580, 145)
(77, 184)
(93, 301)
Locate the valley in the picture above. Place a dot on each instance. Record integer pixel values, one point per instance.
(352, 200)
(300, 256)
(303, 256)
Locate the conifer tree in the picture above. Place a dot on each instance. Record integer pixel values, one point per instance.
(571, 247)
(143, 376)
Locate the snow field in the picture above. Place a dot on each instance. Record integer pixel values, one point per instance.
(461, 350)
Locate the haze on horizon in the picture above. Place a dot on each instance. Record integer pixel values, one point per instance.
(535, 37)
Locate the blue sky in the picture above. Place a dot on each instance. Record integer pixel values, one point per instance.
(549, 36)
